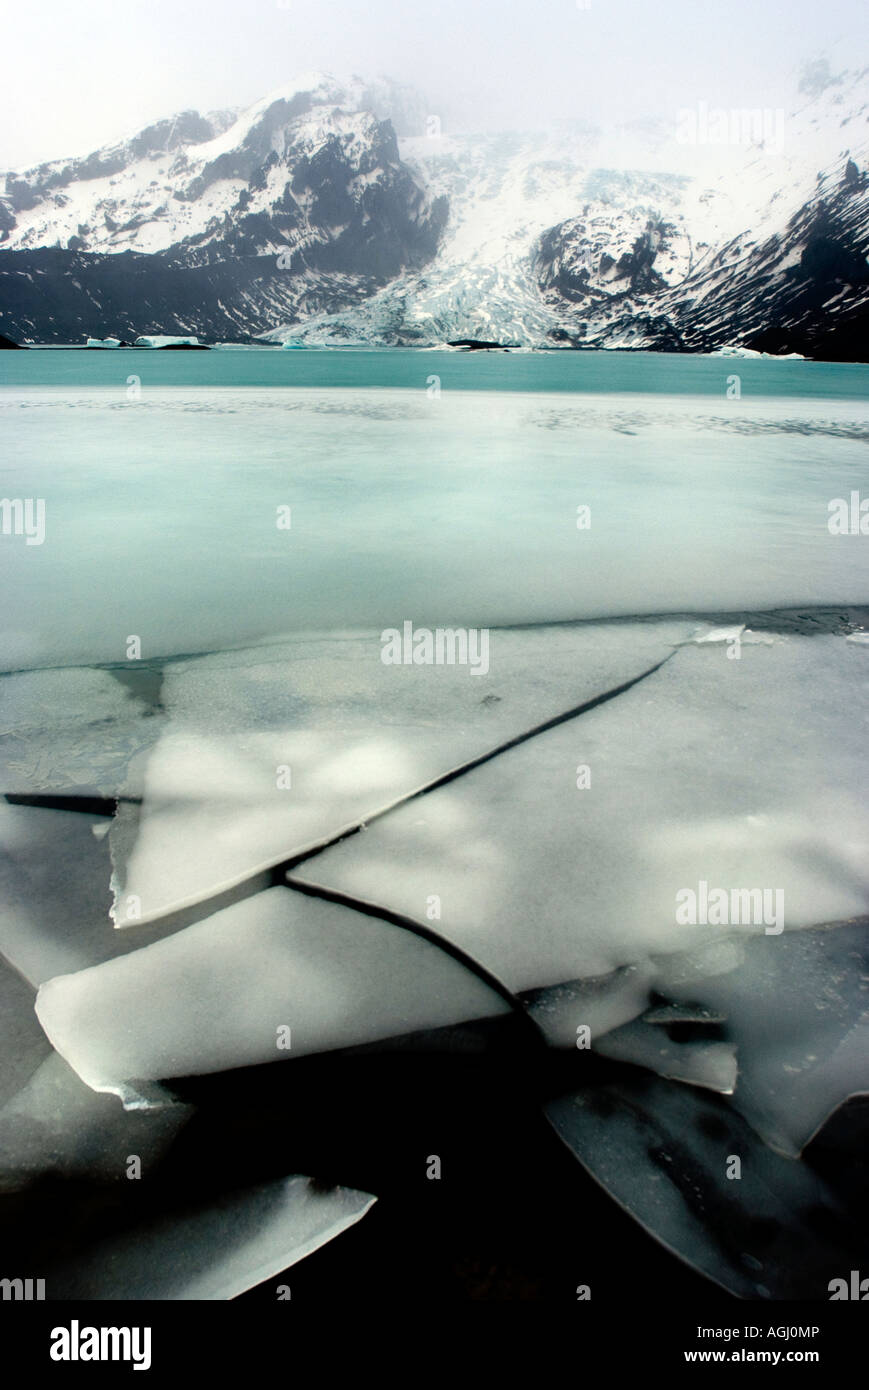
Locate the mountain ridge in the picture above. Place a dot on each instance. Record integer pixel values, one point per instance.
(306, 217)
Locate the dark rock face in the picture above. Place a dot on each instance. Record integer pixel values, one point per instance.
(479, 345)
(584, 275)
(327, 215)
(8, 343)
(804, 289)
(48, 296)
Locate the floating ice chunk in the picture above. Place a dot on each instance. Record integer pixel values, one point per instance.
(167, 1245)
(711, 1064)
(860, 639)
(602, 1004)
(719, 634)
(736, 635)
(694, 1174)
(162, 340)
(266, 980)
(57, 1125)
(734, 351)
(596, 1004)
(215, 1251)
(103, 343)
(54, 893)
(23, 1045)
(796, 1012)
(273, 751)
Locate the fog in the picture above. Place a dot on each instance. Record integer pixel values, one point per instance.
(77, 77)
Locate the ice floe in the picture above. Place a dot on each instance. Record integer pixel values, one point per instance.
(268, 752)
(277, 977)
(735, 774)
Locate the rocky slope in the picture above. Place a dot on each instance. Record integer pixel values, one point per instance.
(220, 226)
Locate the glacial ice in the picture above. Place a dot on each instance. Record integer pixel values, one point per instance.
(162, 340)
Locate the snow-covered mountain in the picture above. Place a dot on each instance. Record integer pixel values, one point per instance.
(222, 225)
(324, 215)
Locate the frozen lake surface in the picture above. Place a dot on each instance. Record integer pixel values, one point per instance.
(227, 814)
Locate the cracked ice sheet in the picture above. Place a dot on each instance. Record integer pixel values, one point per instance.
(217, 995)
(72, 729)
(215, 1252)
(794, 1016)
(355, 734)
(741, 773)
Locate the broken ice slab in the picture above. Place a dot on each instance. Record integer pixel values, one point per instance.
(278, 976)
(701, 1063)
(792, 1011)
(690, 1169)
(797, 1011)
(54, 893)
(711, 774)
(23, 1045)
(214, 1251)
(55, 1125)
(270, 751)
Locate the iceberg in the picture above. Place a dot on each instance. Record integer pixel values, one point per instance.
(161, 340)
(103, 343)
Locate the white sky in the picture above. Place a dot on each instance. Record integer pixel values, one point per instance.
(78, 74)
